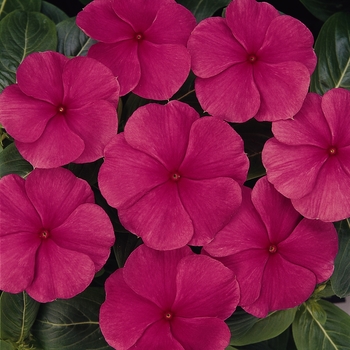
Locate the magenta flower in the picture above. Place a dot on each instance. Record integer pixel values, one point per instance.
(142, 42)
(246, 66)
(49, 246)
(169, 300)
(308, 160)
(65, 112)
(175, 178)
(277, 255)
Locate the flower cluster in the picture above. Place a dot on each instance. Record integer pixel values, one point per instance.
(173, 176)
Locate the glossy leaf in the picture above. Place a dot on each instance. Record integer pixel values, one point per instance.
(53, 12)
(22, 33)
(71, 39)
(71, 324)
(203, 8)
(7, 6)
(7, 345)
(247, 329)
(17, 314)
(312, 332)
(341, 276)
(11, 162)
(333, 51)
(322, 9)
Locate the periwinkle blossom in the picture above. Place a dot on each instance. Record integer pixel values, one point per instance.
(277, 255)
(49, 246)
(308, 160)
(252, 63)
(169, 300)
(142, 41)
(174, 177)
(60, 110)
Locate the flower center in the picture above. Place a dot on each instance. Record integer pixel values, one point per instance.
(44, 234)
(332, 151)
(252, 58)
(61, 109)
(138, 36)
(272, 249)
(175, 176)
(168, 315)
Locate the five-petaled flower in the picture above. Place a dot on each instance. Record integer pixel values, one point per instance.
(246, 66)
(308, 160)
(277, 255)
(175, 178)
(65, 112)
(169, 300)
(49, 244)
(142, 42)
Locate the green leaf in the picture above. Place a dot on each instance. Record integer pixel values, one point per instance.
(247, 329)
(203, 8)
(53, 12)
(341, 275)
(22, 33)
(11, 162)
(7, 6)
(85, 2)
(333, 51)
(7, 345)
(18, 313)
(322, 9)
(71, 324)
(72, 41)
(311, 333)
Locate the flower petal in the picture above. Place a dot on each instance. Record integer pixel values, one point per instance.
(124, 316)
(210, 204)
(283, 87)
(46, 83)
(95, 123)
(308, 127)
(284, 285)
(245, 231)
(335, 105)
(55, 193)
(173, 24)
(201, 333)
(121, 58)
(213, 48)
(79, 233)
(214, 150)
(226, 94)
(266, 201)
(17, 253)
(164, 68)
(17, 212)
(158, 336)
(205, 288)
(57, 146)
(24, 117)
(293, 43)
(86, 80)
(152, 273)
(313, 244)
(162, 132)
(159, 218)
(330, 196)
(249, 21)
(128, 174)
(59, 273)
(99, 21)
(293, 170)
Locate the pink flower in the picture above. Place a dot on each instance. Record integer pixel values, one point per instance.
(278, 256)
(169, 300)
(308, 160)
(49, 245)
(175, 178)
(248, 67)
(65, 112)
(142, 42)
